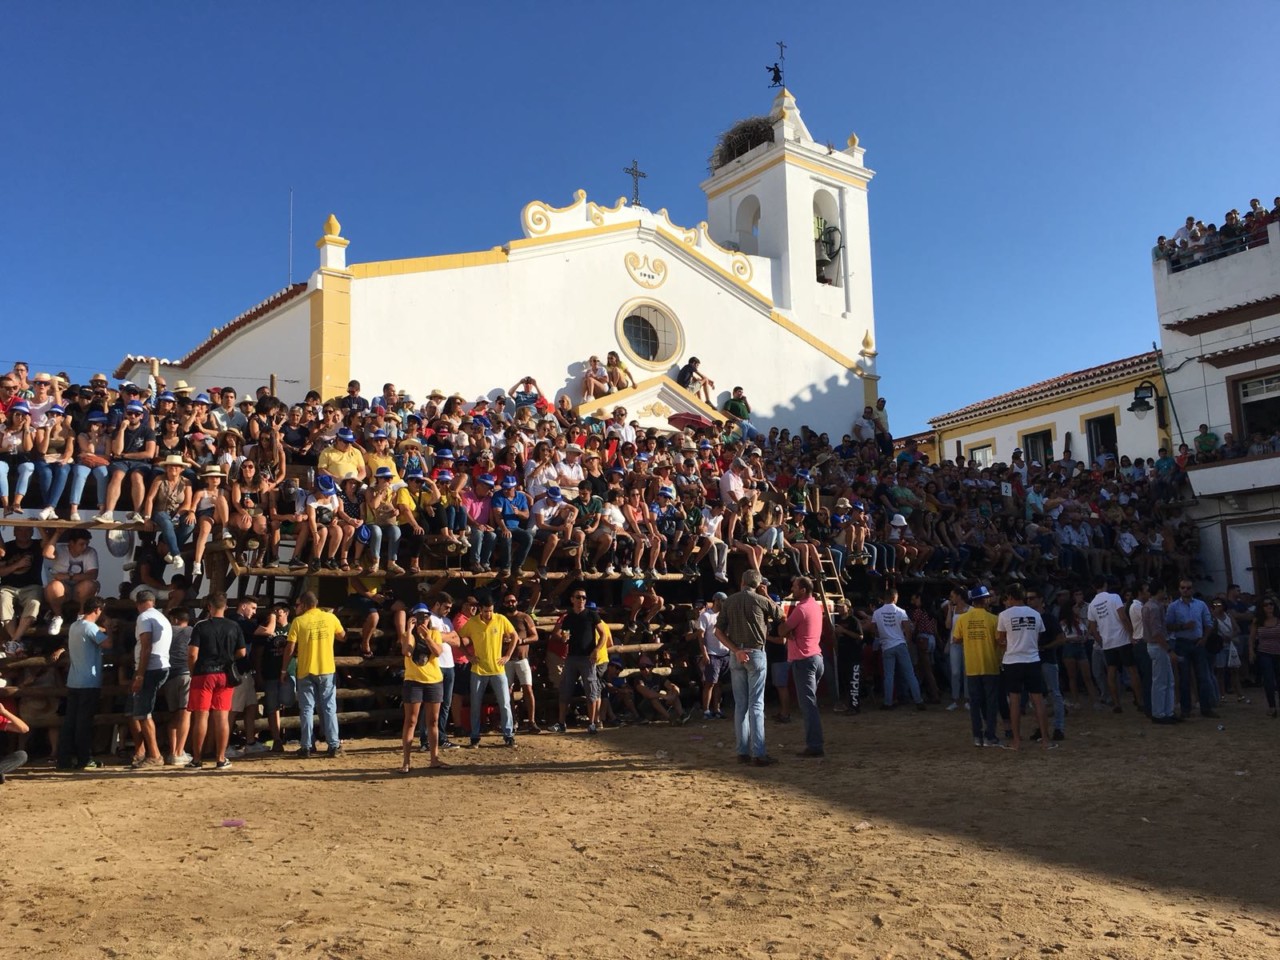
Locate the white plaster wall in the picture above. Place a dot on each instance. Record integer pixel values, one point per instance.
(550, 307)
(278, 343)
(1199, 389)
(1134, 437)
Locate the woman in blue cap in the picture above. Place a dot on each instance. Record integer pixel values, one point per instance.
(17, 440)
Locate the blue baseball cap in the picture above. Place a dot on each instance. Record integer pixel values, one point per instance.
(704, 445)
(798, 508)
(420, 608)
(363, 533)
(96, 416)
(486, 478)
(617, 470)
(414, 417)
(414, 475)
(509, 482)
(132, 407)
(857, 505)
(202, 398)
(384, 473)
(444, 453)
(642, 456)
(326, 484)
(167, 396)
(20, 407)
(379, 434)
(346, 436)
(553, 493)
(444, 476)
(667, 492)
(978, 592)
(55, 409)
(803, 475)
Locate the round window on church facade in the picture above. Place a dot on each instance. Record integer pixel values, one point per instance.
(648, 334)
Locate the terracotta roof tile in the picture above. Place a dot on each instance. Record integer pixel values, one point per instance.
(1053, 387)
(218, 336)
(1200, 318)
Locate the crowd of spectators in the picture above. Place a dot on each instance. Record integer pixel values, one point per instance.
(1196, 242)
(372, 486)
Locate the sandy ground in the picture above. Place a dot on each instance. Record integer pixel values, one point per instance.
(1130, 841)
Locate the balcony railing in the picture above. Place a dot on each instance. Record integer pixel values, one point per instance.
(1222, 247)
(1242, 475)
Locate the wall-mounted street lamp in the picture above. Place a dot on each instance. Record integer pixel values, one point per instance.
(1143, 395)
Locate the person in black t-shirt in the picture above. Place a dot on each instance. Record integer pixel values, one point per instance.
(215, 644)
(21, 566)
(584, 636)
(132, 448)
(1051, 643)
(244, 702)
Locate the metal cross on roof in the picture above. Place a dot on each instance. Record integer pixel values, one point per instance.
(636, 176)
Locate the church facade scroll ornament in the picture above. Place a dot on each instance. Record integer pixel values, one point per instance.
(648, 273)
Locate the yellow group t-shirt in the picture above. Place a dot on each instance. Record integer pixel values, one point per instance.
(977, 629)
(313, 634)
(603, 655)
(338, 464)
(428, 672)
(486, 640)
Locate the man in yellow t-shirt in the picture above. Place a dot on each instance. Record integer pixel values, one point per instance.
(312, 635)
(343, 457)
(492, 638)
(976, 630)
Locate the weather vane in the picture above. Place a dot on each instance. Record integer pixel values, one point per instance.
(779, 67)
(636, 176)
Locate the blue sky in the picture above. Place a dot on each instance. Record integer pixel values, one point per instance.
(1027, 155)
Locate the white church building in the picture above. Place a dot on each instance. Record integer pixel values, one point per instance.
(772, 292)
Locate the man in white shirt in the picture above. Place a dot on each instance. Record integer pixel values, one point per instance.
(73, 574)
(1109, 626)
(1142, 659)
(893, 627)
(1018, 630)
(153, 634)
(714, 658)
(570, 472)
(441, 606)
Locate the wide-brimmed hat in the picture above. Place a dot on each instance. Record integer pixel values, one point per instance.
(182, 387)
(173, 460)
(213, 470)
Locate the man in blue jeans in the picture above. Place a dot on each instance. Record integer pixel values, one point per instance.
(746, 619)
(803, 633)
(1189, 623)
(1155, 634)
(510, 513)
(893, 628)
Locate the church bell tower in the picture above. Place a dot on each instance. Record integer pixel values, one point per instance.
(777, 193)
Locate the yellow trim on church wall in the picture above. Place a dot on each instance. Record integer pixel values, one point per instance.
(1024, 432)
(613, 400)
(573, 235)
(447, 261)
(796, 161)
(870, 391)
(331, 334)
(792, 327)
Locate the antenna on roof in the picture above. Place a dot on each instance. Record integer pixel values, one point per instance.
(290, 283)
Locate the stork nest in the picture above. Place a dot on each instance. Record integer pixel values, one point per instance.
(743, 136)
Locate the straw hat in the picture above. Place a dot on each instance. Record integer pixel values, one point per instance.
(212, 471)
(173, 460)
(180, 387)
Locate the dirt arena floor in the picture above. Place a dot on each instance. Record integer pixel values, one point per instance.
(906, 841)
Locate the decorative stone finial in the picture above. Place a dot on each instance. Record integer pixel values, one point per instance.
(853, 140)
(332, 228)
(868, 343)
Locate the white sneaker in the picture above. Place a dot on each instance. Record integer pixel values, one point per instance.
(197, 569)
(179, 565)
(74, 516)
(953, 705)
(182, 759)
(627, 571)
(227, 535)
(55, 625)
(48, 513)
(136, 517)
(608, 571)
(106, 519)
(168, 558)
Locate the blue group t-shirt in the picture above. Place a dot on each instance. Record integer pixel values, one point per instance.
(509, 504)
(84, 650)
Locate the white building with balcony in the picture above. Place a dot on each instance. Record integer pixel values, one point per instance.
(1220, 334)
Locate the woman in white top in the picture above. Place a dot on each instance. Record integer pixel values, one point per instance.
(541, 471)
(212, 510)
(55, 446)
(595, 380)
(17, 440)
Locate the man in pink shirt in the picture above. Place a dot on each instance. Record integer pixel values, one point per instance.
(803, 633)
(478, 502)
